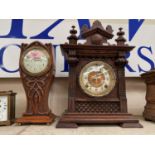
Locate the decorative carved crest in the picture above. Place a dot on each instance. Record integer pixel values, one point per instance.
(25, 46)
(97, 35)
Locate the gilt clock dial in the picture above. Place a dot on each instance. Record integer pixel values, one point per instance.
(36, 61)
(97, 78)
(3, 108)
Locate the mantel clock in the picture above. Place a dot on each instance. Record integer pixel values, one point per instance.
(7, 107)
(37, 74)
(96, 79)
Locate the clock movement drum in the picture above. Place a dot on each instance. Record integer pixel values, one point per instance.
(96, 92)
(7, 107)
(37, 75)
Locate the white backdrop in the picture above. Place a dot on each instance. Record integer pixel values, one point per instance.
(140, 33)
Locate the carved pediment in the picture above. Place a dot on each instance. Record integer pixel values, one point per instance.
(97, 34)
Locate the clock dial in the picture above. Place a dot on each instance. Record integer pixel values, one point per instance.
(97, 78)
(3, 108)
(36, 61)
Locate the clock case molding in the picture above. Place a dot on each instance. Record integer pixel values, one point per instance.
(85, 109)
(37, 88)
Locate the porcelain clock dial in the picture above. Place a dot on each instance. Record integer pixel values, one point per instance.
(97, 78)
(3, 108)
(36, 61)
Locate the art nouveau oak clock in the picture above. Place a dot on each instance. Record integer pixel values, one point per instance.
(96, 79)
(149, 111)
(37, 74)
(7, 107)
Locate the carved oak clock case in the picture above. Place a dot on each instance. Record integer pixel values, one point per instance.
(96, 79)
(37, 74)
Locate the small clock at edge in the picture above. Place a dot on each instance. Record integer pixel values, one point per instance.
(7, 107)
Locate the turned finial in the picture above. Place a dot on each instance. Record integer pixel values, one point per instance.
(73, 38)
(120, 40)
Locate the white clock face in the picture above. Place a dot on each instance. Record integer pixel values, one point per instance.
(97, 78)
(3, 108)
(36, 61)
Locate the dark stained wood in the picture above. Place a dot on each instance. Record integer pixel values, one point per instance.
(86, 109)
(149, 112)
(71, 120)
(37, 89)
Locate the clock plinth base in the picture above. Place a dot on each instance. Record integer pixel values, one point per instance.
(72, 120)
(66, 125)
(131, 125)
(46, 119)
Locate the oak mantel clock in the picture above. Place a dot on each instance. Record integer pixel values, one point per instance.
(96, 79)
(37, 74)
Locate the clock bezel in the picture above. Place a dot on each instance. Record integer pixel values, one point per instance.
(111, 74)
(40, 48)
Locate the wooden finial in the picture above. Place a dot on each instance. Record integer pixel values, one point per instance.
(120, 40)
(73, 38)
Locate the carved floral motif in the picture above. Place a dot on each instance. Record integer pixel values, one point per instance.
(36, 91)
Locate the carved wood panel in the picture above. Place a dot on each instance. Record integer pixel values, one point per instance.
(97, 107)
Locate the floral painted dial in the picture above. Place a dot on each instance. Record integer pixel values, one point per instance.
(97, 78)
(3, 108)
(36, 60)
